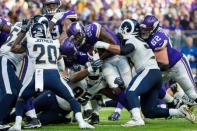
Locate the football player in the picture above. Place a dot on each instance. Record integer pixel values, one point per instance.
(51, 7)
(172, 62)
(83, 92)
(43, 52)
(147, 72)
(10, 83)
(5, 28)
(115, 66)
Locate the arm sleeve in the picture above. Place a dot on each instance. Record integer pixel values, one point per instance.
(126, 49)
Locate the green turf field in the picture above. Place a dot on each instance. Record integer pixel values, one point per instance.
(175, 124)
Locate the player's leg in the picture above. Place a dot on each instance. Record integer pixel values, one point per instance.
(110, 73)
(87, 110)
(26, 92)
(9, 86)
(182, 74)
(94, 119)
(168, 99)
(138, 87)
(125, 74)
(48, 109)
(116, 114)
(56, 84)
(45, 101)
(151, 110)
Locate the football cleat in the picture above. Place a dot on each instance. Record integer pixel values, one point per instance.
(94, 119)
(87, 114)
(15, 128)
(85, 125)
(134, 122)
(187, 113)
(4, 127)
(34, 123)
(114, 116)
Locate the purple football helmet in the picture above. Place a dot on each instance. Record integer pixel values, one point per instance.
(149, 26)
(76, 33)
(68, 48)
(51, 6)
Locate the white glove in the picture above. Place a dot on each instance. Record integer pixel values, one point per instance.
(101, 44)
(57, 16)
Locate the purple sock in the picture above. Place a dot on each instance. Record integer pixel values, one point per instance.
(121, 98)
(119, 106)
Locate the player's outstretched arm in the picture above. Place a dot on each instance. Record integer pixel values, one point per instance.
(116, 49)
(107, 37)
(17, 47)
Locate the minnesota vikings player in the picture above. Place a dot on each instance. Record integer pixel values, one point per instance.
(44, 53)
(10, 83)
(114, 66)
(147, 72)
(50, 8)
(5, 28)
(172, 62)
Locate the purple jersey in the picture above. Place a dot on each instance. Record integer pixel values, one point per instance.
(71, 55)
(58, 29)
(4, 35)
(92, 33)
(159, 41)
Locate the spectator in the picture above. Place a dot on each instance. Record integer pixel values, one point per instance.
(190, 51)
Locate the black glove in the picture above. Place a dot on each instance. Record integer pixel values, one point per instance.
(97, 64)
(26, 23)
(119, 81)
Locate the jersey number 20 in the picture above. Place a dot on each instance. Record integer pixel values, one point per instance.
(50, 50)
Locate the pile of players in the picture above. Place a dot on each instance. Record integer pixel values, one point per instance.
(51, 64)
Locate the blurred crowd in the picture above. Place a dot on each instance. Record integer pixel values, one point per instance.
(173, 14)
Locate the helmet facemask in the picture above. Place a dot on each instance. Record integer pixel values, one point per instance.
(51, 7)
(145, 31)
(78, 39)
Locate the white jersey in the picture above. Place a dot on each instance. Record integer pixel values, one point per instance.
(84, 90)
(6, 47)
(43, 52)
(142, 57)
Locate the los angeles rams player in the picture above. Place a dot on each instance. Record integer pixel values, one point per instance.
(147, 72)
(43, 52)
(83, 92)
(10, 84)
(174, 64)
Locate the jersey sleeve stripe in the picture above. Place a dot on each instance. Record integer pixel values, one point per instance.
(98, 30)
(22, 70)
(72, 17)
(163, 46)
